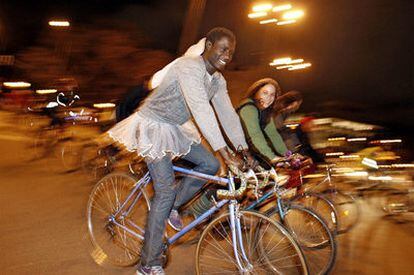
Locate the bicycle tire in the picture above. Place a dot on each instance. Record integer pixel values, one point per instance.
(111, 243)
(313, 235)
(346, 207)
(256, 229)
(322, 206)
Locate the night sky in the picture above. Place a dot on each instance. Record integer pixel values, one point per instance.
(361, 51)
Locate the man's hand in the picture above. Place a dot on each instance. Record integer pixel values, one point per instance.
(230, 159)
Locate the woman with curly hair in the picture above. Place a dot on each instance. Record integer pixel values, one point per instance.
(262, 113)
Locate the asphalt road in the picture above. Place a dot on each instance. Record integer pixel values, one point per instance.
(43, 228)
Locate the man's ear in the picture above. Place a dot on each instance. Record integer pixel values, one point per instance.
(208, 45)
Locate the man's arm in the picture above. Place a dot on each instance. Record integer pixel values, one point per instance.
(190, 76)
(228, 116)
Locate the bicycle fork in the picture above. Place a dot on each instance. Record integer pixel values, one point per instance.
(236, 235)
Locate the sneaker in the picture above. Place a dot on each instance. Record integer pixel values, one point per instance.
(175, 220)
(150, 270)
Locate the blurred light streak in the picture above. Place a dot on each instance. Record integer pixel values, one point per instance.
(293, 125)
(267, 21)
(334, 154)
(291, 15)
(104, 105)
(262, 7)
(337, 139)
(388, 157)
(322, 121)
(18, 84)
(282, 8)
(356, 174)
(350, 157)
(257, 14)
(370, 163)
(390, 141)
(403, 165)
(300, 66)
(342, 170)
(295, 61)
(46, 91)
(353, 125)
(282, 67)
(288, 63)
(281, 61)
(280, 23)
(356, 139)
(380, 178)
(59, 23)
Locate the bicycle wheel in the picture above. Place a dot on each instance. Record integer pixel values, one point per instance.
(69, 151)
(322, 206)
(112, 243)
(346, 207)
(269, 247)
(313, 236)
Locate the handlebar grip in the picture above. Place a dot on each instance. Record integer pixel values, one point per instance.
(231, 195)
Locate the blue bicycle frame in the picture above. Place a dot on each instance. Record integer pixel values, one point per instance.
(263, 198)
(235, 226)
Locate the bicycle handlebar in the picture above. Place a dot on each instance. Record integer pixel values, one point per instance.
(249, 180)
(233, 193)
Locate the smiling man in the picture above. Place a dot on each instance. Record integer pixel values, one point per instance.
(162, 129)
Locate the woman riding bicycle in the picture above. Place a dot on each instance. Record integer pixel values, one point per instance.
(262, 117)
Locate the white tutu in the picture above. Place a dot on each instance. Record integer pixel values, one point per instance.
(154, 139)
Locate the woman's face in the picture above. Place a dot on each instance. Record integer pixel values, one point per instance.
(265, 96)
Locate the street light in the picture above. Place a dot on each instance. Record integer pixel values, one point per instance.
(262, 7)
(18, 84)
(292, 15)
(267, 21)
(46, 91)
(257, 14)
(104, 105)
(56, 23)
(282, 8)
(280, 61)
(299, 66)
(286, 22)
(287, 61)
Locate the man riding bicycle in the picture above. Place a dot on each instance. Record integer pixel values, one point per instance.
(162, 129)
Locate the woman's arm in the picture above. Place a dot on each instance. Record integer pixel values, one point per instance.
(249, 116)
(275, 138)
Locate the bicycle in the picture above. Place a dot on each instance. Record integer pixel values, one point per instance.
(324, 207)
(308, 228)
(237, 241)
(347, 212)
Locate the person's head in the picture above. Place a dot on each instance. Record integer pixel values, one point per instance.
(288, 102)
(264, 92)
(219, 49)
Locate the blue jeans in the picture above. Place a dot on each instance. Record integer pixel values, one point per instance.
(166, 196)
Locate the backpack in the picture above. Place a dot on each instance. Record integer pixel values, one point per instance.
(131, 101)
